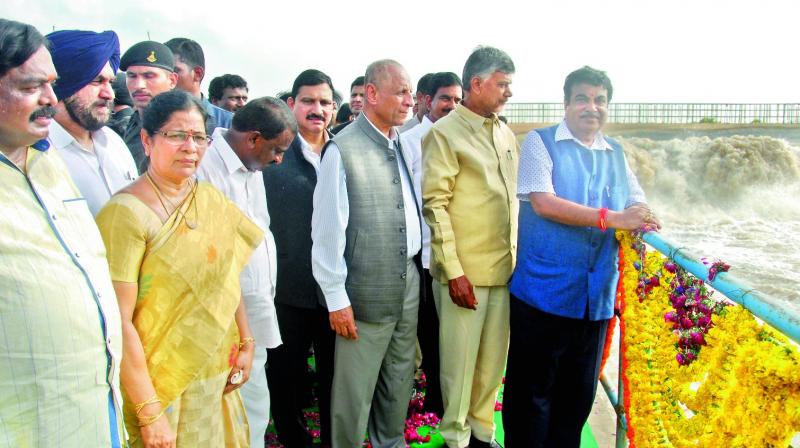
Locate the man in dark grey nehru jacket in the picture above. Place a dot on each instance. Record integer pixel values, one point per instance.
(366, 237)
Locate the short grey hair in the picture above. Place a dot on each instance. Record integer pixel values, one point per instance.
(378, 70)
(483, 62)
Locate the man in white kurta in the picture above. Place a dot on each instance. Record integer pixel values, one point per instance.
(231, 164)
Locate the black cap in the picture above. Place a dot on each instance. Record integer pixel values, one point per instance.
(149, 53)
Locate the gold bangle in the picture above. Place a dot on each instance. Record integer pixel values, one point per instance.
(148, 419)
(138, 408)
(246, 341)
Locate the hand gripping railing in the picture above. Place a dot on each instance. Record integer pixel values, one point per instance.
(772, 311)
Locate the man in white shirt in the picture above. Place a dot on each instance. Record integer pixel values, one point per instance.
(366, 236)
(260, 134)
(445, 92)
(97, 158)
(420, 106)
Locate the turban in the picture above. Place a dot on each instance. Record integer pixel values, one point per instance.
(79, 56)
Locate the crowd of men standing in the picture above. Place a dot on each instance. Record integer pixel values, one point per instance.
(382, 233)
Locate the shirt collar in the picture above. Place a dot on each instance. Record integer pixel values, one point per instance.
(232, 162)
(475, 121)
(600, 143)
(303, 143)
(305, 146)
(60, 138)
(392, 132)
(426, 122)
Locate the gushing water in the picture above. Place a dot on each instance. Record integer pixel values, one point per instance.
(736, 198)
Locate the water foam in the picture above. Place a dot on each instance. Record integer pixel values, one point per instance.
(733, 198)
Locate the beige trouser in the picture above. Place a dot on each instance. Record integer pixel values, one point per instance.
(373, 376)
(473, 351)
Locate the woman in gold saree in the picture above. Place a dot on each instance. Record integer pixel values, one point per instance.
(176, 248)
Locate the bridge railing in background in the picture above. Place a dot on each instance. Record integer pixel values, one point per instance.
(666, 113)
(772, 311)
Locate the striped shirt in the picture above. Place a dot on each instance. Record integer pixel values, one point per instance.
(60, 331)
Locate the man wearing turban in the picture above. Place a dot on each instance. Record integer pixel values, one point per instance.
(97, 158)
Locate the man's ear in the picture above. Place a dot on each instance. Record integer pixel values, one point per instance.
(173, 80)
(475, 84)
(371, 93)
(198, 73)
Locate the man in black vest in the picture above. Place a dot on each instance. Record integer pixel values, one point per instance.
(302, 315)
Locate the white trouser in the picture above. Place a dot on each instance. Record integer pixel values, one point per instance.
(255, 396)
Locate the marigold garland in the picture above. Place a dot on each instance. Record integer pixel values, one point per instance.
(742, 390)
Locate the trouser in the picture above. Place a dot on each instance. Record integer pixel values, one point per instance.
(255, 396)
(551, 380)
(300, 329)
(473, 346)
(373, 377)
(428, 337)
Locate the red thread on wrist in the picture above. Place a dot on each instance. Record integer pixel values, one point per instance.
(601, 219)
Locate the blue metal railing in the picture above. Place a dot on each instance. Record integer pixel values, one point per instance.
(666, 113)
(770, 310)
(763, 306)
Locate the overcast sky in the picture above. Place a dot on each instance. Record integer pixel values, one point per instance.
(654, 51)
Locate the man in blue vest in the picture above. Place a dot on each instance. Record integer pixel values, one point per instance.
(575, 188)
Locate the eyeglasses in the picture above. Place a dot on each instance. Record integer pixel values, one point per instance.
(178, 138)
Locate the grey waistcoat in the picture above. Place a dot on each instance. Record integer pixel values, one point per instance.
(376, 247)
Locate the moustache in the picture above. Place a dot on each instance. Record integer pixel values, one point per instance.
(590, 115)
(107, 103)
(315, 117)
(44, 111)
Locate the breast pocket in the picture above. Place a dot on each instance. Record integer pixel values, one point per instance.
(79, 228)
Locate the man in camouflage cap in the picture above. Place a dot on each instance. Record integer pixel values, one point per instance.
(150, 69)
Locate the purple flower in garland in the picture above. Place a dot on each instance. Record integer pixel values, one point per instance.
(697, 338)
(678, 301)
(717, 267)
(691, 300)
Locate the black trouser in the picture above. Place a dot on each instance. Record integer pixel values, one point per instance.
(551, 377)
(286, 373)
(428, 336)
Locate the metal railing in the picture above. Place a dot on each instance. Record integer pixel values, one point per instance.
(666, 113)
(772, 311)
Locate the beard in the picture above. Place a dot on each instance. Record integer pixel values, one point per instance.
(82, 114)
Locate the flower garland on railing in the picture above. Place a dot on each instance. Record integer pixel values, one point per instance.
(741, 390)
